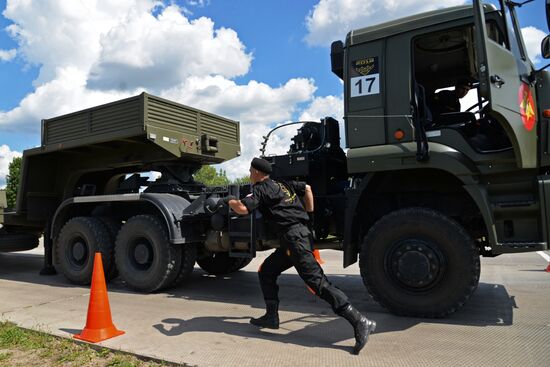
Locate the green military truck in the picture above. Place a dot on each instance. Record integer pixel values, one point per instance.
(418, 197)
(80, 188)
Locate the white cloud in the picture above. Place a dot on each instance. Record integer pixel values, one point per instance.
(57, 34)
(254, 103)
(8, 55)
(199, 3)
(65, 93)
(331, 20)
(321, 107)
(533, 37)
(93, 50)
(330, 106)
(123, 44)
(6, 156)
(158, 52)
(257, 106)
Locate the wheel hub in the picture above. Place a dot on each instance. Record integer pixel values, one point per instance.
(416, 264)
(78, 252)
(142, 254)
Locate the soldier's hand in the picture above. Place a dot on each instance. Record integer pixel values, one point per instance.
(224, 203)
(213, 204)
(228, 198)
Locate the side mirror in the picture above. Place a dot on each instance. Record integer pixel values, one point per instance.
(337, 58)
(545, 47)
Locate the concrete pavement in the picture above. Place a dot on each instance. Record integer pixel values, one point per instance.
(205, 321)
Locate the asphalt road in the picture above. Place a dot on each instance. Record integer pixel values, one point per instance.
(205, 321)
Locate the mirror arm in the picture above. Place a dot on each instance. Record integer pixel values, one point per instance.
(519, 5)
(534, 73)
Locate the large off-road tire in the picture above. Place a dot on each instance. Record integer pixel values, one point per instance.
(11, 242)
(188, 259)
(418, 262)
(144, 257)
(220, 263)
(113, 226)
(75, 247)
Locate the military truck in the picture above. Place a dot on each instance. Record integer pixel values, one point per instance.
(418, 197)
(82, 189)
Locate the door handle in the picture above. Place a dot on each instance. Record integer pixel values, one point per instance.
(497, 80)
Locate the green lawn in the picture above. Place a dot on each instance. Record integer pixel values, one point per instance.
(22, 347)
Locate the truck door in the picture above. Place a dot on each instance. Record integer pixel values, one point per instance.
(503, 81)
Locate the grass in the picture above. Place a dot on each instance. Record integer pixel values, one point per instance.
(22, 347)
(4, 356)
(14, 337)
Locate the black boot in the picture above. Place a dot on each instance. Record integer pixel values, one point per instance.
(271, 318)
(361, 325)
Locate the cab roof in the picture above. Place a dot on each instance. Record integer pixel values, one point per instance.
(410, 23)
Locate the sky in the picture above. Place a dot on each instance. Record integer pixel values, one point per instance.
(262, 63)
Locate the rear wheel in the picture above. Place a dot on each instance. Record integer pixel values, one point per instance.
(75, 247)
(221, 263)
(144, 257)
(113, 226)
(10, 242)
(240, 265)
(418, 262)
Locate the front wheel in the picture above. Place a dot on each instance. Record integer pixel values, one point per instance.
(418, 262)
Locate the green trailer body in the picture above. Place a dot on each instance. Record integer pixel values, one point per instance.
(90, 151)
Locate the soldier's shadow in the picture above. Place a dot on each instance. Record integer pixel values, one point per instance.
(310, 331)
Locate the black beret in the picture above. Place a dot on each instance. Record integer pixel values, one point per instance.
(261, 165)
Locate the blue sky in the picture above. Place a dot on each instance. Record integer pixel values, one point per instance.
(260, 62)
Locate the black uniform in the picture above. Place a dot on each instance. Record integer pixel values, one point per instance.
(280, 203)
(444, 102)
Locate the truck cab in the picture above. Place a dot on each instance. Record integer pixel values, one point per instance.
(392, 74)
(480, 171)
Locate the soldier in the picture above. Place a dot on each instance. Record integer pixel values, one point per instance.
(280, 204)
(447, 101)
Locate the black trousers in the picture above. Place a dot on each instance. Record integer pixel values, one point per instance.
(296, 250)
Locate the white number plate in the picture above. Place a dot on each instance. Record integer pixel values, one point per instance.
(365, 85)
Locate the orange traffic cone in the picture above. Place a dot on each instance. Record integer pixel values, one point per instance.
(99, 324)
(317, 255)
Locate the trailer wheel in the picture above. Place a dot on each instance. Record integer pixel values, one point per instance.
(188, 259)
(418, 262)
(113, 226)
(238, 266)
(75, 247)
(11, 242)
(144, 257)
(220, 263)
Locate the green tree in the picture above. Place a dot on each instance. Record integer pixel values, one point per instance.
(242, 180)
(12, 181)
(210, 177)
